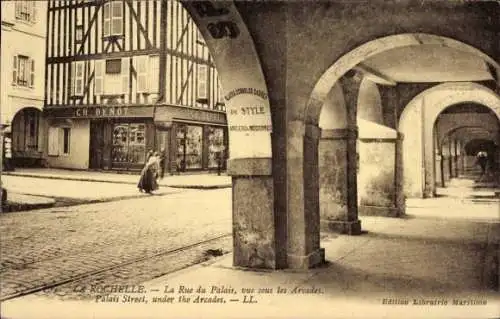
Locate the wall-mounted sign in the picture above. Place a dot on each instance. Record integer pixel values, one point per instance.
(248, 110)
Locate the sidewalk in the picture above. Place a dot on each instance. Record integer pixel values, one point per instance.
(19, 202)
(197, 181)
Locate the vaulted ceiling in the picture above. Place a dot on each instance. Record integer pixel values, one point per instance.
(428, 63)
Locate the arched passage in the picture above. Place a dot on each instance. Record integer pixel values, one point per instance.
(27, 142)
(417, 123)
(344, 93)
(452, 160)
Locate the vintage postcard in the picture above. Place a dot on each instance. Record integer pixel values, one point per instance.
(250, 159)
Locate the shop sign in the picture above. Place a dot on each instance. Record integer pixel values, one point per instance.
(100, 112)
(8, 147)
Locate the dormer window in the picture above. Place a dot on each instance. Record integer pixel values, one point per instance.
(113, 18)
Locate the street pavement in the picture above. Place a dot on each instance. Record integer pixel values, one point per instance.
(446, 250)
(49, 245)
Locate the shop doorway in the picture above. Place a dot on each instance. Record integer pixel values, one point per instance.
(96, 144)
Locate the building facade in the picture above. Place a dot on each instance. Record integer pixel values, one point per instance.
(125, 77)
(22, 80)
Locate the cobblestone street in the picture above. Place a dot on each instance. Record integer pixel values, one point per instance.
(47, 246)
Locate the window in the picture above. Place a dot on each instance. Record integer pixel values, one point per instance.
(129, 143)
(189, 147)
(199, 38)
(66, 132)
(202, 83)
(78, 26)
(216, 146)
(77, 81)
(154, 77)
(31, 118)
(99, 77)
(79, 34)
(113, 66)
(59, 141)
(113, 18)
(26, 11)
(23, 73)
(141, 68)
(53, 141)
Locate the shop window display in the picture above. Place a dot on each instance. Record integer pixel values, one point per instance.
(215, 145)
(189, 147)
(129, 143)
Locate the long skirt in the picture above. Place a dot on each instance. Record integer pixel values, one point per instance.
(147, 181)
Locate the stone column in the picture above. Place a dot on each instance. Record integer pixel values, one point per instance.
(254, 221)
(338, 166)
(399, 198)
(338, 191)
(303, 236)
(450, 158)
(455, 158)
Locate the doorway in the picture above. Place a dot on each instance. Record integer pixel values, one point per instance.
(96, 144)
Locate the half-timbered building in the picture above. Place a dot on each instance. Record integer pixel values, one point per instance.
(125, 77)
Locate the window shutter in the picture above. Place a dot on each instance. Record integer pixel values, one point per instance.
(72, 81)
(125, 75)
(32, 73)
(53, 141)
(154, 73)
(116, 18)
(79, 78)
(142, 76)
(33, 11)
(18, 9)
(14, 71)
(99, 77)
(107, 19)
(202, 81)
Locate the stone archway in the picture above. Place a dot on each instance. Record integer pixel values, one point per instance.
(26, 140)
(255, 231)
(417, 122)
(353, 58)
(337, 94)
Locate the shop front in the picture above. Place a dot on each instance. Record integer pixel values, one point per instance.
(118, 137)
(199, 147)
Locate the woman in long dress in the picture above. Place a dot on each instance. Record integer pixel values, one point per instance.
(149, 174)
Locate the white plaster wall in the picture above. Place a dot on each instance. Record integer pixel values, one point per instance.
(411, 127)
(369, 102)
(78, 158)
(333, 113)
(26, 39)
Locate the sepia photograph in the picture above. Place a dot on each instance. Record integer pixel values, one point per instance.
(249, 159)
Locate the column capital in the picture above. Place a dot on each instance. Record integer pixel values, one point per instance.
(313, 131)
(348, 133)
(249, 166)
(296, 128)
